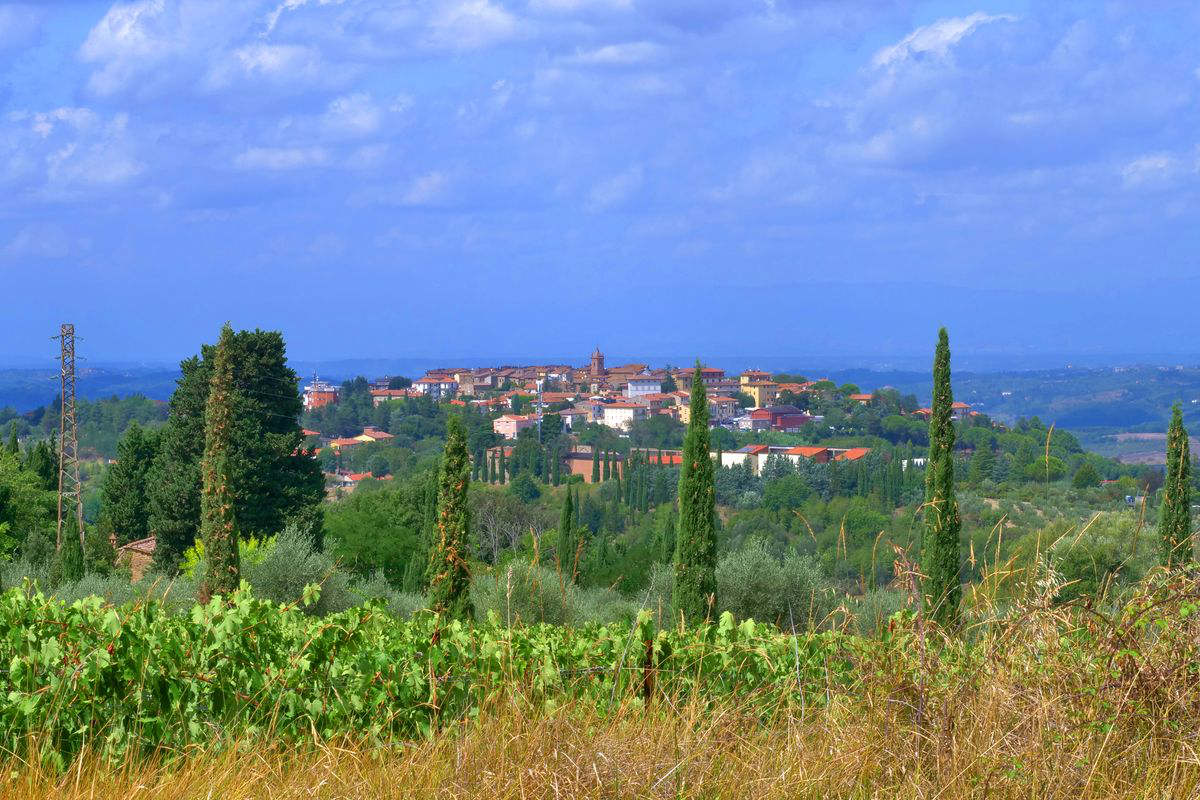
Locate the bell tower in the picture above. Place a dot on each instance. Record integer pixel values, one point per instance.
(597, 368)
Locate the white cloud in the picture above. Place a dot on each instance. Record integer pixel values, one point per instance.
(352, 115)
(123, 41)
(471, 24)
(281, 158)
(623, 54)
(43, 241)
(1150, 169)
(426, 190)
(277, 63)
(935, 39)
(615, 190)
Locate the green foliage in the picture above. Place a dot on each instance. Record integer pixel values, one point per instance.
(524, 488)
(217, 526)
(449, 575)
(385, 530)
(940, 546)
(754, 584)
(696, 542)
(125, 490)
(136, 680)
(272, 479)
(26, 506)
(1086, 477)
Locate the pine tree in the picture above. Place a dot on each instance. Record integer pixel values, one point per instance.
(1175, 516)
(566, 537)
(223, 573)
(940, 546)
(449, 575)
(983, 461)
(125, 490)
(595, 464)
(696, 540)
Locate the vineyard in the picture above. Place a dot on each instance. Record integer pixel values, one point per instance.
(136, 681)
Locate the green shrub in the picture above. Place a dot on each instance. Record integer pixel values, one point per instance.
(753, 584)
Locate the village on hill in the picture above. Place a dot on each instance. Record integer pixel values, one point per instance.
(566, 398)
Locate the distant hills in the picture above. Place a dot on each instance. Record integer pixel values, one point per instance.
(1134, 398)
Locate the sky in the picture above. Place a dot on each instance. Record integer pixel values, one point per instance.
(482, 179)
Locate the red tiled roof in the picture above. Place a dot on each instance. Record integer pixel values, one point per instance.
(344, 442)
(806, 451)
(853, 454)
(307, 432)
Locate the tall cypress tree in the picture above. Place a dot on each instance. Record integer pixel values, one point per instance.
(502, 467)
(595, 464)
(566, 537)
(1175, 516)
(940, 546)
(216, 470)
(449, 575)
(14, 446)
(696, 540)
(607, 466)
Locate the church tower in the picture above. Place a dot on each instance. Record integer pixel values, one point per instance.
(597, 368)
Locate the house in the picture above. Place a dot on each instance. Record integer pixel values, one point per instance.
(436, 386)
(754, 376)
(622, 415)
(850, 454)
(572, 417)
(659, 401)
(318, 394)
(510, 425)
(763, 393)
(719, 408)
(862, 399)
(578, 461)
(136, 555)
(339, 443)
(708, 376)
(373, 435)
(821, 455)
(381, 396)
(960, 411)
(778, 418)
(641, 385)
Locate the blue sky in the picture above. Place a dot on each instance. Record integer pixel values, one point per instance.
(490, 178)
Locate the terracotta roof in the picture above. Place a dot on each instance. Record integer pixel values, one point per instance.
(307, 432)
(806, 451)
(344, 442)
(853, 454)
(862, 397)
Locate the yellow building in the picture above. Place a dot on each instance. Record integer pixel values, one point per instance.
(762, 392)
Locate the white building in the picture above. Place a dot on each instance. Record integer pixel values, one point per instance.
(641, 385)
(622, 415)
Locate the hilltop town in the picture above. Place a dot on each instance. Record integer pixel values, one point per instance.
(565, 399)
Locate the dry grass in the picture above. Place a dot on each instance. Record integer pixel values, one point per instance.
(1005, 743)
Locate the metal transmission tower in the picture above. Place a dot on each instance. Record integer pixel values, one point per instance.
(69, 490)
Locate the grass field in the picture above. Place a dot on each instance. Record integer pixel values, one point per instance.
(1008, 742)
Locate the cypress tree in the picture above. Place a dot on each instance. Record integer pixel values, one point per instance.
(696, 540)
(69, 564)
(940, 546)
(1175, 516)
(223, 573)
(607, 465)
(449, 575)
(14, 447)
(566, 537)
(502, 467)
(595, 464)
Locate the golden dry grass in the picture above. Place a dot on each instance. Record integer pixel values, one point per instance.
(1000, 743)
